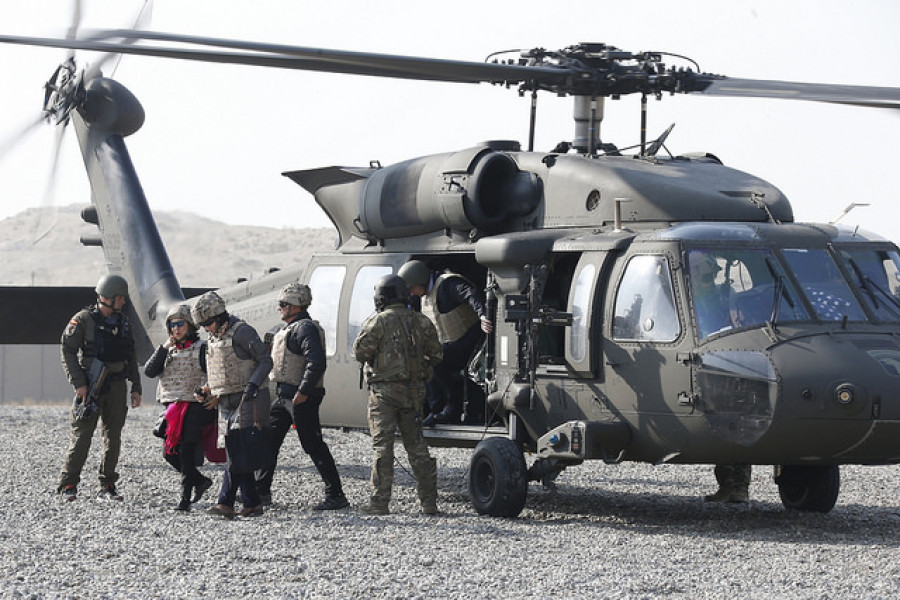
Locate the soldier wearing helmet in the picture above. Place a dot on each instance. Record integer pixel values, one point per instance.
(459, 313)
(180, 364)
(298, 355)
(399, 348)
(711, 299)
(96, 337)
(237, 365)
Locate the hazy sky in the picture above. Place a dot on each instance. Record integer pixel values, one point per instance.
(217, 137)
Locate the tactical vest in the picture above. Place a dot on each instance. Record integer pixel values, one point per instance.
(452, 325)
(228, 374)
(111, 342)
(401, 357)
(289, 367)
(181, 376)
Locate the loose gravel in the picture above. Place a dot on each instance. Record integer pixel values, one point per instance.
(625, 531)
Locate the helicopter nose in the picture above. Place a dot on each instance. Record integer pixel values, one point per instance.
(845, 391)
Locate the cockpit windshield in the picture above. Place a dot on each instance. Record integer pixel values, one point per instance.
(740, 287)
(746, 287)
(876, 273)
(824, 286)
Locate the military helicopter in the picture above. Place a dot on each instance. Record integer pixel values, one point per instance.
(648, 307)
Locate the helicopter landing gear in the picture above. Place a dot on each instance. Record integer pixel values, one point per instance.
(546, 470)
(808, 488)
(498, 481)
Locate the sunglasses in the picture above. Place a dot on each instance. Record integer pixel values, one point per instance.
(207, 322)
(283, 304)
(174, 324)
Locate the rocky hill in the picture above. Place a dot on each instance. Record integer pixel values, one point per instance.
(204, 252)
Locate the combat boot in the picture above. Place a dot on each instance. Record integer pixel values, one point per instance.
(373, 508)
(722, 495)
(739, 495)
(335, 502)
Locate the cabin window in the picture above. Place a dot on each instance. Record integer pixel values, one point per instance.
(581, 298)
(326, 283)
(645, 303)
(876, 274)
(824, 286)
(362, 303)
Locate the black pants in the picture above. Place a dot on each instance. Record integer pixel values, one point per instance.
(305, 417)
(189, 453)
(451, 385)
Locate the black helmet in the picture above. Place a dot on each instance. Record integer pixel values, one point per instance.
(390, 289)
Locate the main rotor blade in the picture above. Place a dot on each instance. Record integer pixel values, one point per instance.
(307, 59)
(10, 142)
(856, 95)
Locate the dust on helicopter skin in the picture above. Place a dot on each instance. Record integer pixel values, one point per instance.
(629, 530)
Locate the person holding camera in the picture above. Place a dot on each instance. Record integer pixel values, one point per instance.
(180, 364)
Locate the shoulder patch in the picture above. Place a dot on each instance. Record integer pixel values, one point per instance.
(70, 328)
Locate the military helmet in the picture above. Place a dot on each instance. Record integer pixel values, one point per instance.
(703, 266)
(415, 272)
(390, 289)
(207, 307)
(297, 294)
(111, 286)
(180, 311)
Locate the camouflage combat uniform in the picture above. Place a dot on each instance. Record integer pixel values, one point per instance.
(90, 336)
(399, 348)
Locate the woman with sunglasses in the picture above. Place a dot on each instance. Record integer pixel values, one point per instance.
(180, 364)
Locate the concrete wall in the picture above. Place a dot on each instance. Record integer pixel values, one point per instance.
(33, 373)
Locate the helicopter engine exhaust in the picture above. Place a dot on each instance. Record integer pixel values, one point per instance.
(474, 189)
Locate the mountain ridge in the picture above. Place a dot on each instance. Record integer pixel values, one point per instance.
(204, 252)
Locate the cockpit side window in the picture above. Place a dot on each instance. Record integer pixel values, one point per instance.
(876, 274)
(645, 303)
(823, 284)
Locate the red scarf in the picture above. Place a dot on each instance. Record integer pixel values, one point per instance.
(174, 420)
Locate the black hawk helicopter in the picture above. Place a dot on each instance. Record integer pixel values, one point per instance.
(648, 307)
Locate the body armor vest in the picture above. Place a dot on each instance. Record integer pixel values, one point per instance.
(228, 374)
(111, 341)
(181, 376)
(289, 367)
(451, 326)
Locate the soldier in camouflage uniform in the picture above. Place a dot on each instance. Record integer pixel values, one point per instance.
(237, 365)
(100, 333)
(399, 348)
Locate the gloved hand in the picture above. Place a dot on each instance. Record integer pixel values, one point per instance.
(250, 392)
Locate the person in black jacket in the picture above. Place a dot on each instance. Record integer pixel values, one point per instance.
(458, 311)
(298, 356)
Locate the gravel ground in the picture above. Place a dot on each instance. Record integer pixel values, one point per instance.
(626, 531)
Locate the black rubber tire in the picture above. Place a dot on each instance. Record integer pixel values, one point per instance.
(809, 488)
(498, 482)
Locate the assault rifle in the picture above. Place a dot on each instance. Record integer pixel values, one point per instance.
(87, 407)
